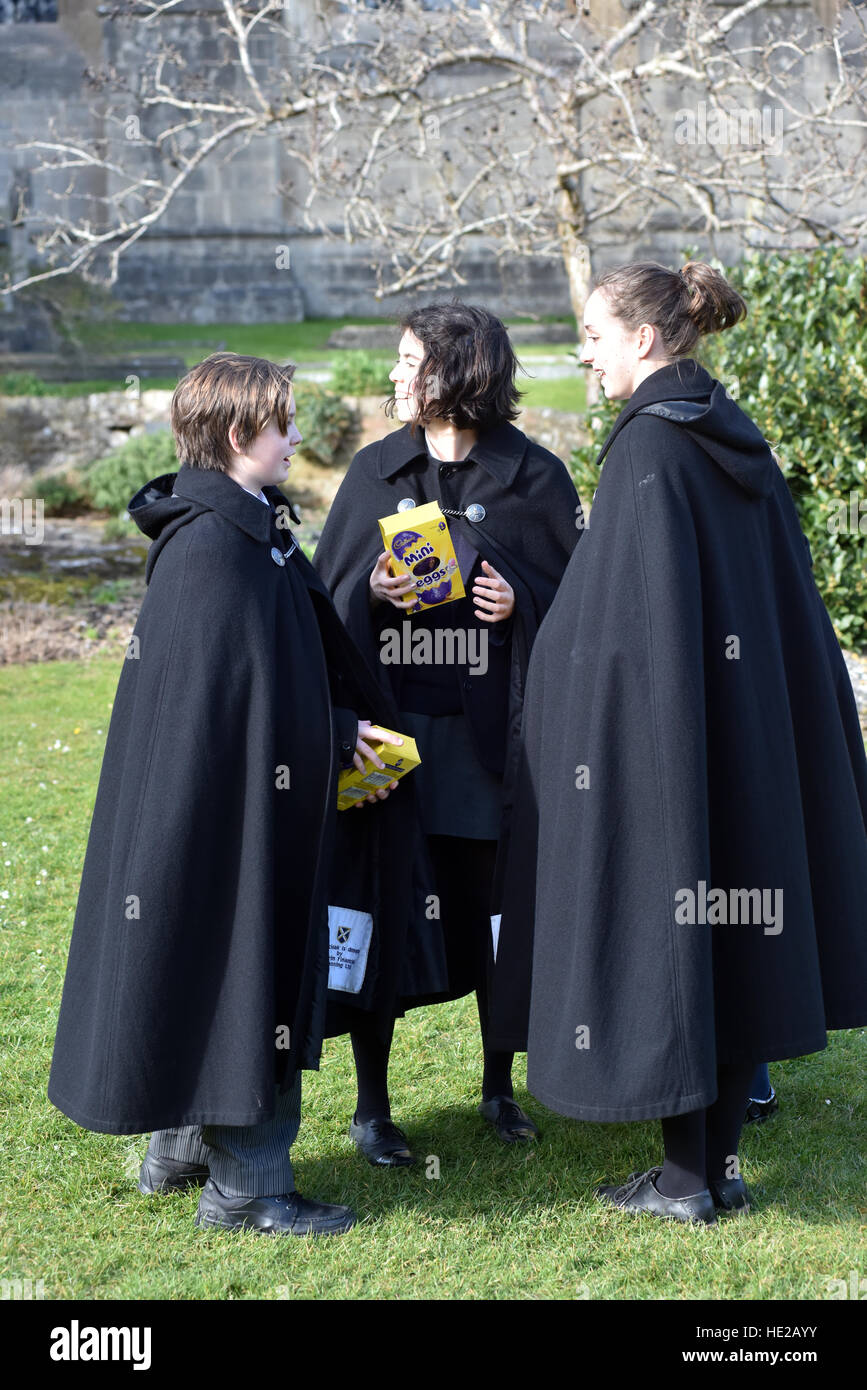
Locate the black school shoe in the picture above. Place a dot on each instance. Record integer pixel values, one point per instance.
(169, 1175)
(382, 1143)
(731, 1194)
(511, 1123)
(760, 1110)
(640, 1193)
(287, 1215)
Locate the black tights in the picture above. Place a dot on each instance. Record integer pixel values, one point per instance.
(702, 1146)
(463, 873)
(371, 1054)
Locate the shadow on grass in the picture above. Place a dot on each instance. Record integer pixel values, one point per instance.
(806, 1162)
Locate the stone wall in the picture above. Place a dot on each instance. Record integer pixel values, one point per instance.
(214, 256)
(52, 434)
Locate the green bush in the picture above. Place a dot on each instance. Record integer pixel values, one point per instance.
(63, 494)
(112, 481)
(798, 367)
(327, 423)
(582, 463)
(362, 374)
(119, 528)
(23, 384)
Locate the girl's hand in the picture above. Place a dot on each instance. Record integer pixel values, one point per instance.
(385, 588)
(369, 734)
(494, 595)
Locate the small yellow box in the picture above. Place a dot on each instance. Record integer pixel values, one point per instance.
(354, 786)
(421, 546)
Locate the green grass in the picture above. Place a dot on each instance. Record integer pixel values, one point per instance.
(91, 388)
(300, 342)
(193, 341)
(498, 1222)
(565, 393)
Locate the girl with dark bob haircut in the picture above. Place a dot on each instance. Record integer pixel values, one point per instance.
(423, 867)
(467, 373)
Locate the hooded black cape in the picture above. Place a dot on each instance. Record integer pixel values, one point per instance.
(689, 726)
(201, 925)
(531, 525)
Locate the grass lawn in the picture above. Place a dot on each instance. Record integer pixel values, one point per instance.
(563, 393)
(497, 1222)
(193, 341)
(303, 342)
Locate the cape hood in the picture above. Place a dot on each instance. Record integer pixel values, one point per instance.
(690, 397)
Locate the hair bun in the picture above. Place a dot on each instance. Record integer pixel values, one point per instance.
(713, 303)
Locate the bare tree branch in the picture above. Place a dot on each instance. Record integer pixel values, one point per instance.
(522, 125)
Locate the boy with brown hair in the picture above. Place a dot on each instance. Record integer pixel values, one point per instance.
(195, 987)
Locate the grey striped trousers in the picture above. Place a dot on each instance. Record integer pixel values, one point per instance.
(243, 1160)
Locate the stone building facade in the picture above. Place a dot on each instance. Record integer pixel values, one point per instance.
(212, 257)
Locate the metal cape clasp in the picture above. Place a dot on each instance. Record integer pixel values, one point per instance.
(277, 556)
(475, 512)
(405, 504)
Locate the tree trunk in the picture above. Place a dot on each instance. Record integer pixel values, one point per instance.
(576, 258)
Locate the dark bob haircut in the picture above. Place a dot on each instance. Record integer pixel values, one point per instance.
(467, 373)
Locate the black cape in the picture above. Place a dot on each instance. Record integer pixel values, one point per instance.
(531, 525)
(690, 726)
(201, 924)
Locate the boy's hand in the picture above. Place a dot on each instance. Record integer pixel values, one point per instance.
(363, 749)
(384, 586)
(494, 594)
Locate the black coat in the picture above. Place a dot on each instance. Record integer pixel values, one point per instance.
(531, 525)
(689, 665)
(201, 925)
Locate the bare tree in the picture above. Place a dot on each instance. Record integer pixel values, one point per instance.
(529, 127)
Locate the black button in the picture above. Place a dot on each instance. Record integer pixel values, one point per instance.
(447, 472)
(468, 685)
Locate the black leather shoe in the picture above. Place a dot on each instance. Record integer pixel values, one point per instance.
(169, 1174)
(760, 1110)
(511, 1123)
(640, 1193)
(288, 1215)
(382, 1143)
(731, 1194)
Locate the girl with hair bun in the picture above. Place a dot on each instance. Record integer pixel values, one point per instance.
(693, 793)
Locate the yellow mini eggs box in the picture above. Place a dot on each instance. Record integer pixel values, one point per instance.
(421, 546)
(354, 786)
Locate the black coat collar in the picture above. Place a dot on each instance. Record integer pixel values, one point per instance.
(500, 450)
(220, 493)
(685, 379)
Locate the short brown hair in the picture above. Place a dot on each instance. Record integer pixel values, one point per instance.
(467, 374)
(682, 304)
(224, 390)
